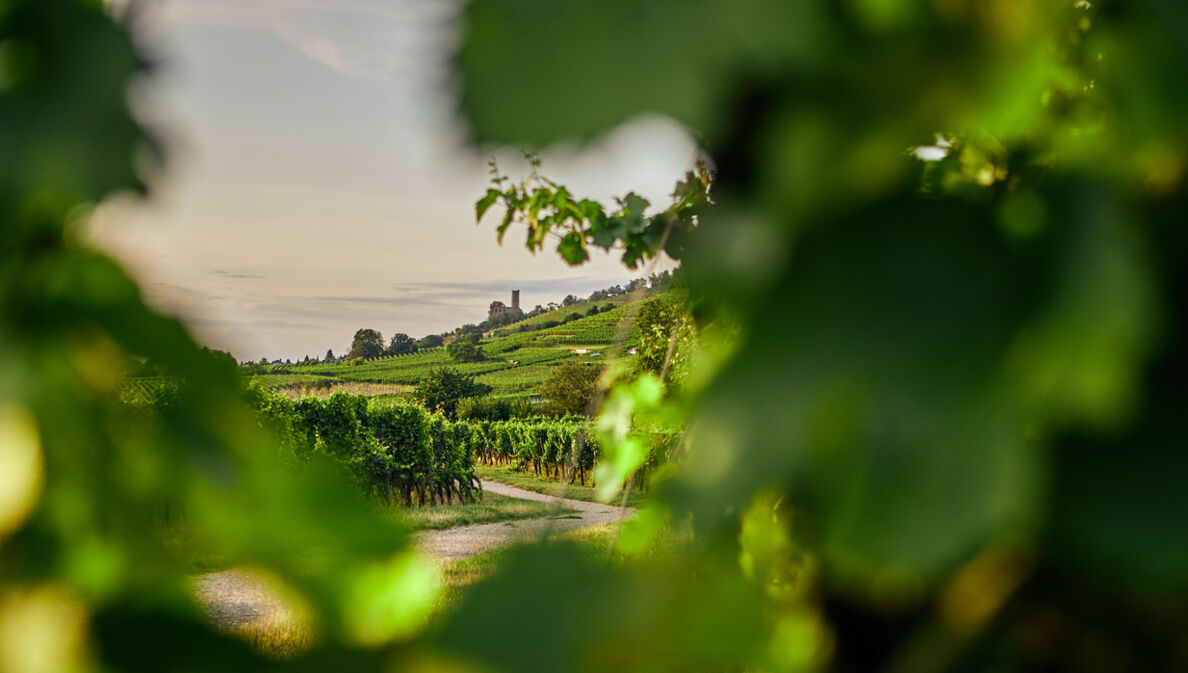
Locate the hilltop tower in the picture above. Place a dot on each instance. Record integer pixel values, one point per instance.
(498, 306)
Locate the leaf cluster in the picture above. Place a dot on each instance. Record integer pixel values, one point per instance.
(549, 211)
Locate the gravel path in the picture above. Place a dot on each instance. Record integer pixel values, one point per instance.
(456, 543)
(238, 599)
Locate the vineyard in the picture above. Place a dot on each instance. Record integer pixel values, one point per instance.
(565, 449)
(516, 363)
(537, 322)
(402, 454)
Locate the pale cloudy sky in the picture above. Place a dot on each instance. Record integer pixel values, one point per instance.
(318, 179)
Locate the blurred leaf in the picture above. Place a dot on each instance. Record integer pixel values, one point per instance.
(485, 203)
(21, 467)
(632, 620)
(665, 56)
(573, 249)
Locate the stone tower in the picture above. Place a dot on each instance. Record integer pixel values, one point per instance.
(515, 300)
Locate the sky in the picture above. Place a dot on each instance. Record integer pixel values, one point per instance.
(318, 178)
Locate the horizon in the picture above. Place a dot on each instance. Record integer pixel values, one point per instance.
(318, 179)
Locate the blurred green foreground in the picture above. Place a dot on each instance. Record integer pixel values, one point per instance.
(937, 421)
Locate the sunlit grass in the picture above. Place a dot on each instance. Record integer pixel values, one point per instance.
(282, 634)
(492, 508)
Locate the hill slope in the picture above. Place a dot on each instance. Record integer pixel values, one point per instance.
(516, 363)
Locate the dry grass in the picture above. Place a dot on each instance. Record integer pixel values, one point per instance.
(246, 605)
(281, 635)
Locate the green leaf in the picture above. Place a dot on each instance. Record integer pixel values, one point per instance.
(603, 231)
(561, 199)
(485, 203)
(573, 248)
(507, 220)
(590, 210)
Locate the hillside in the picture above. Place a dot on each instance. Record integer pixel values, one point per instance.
(516, 363)
(558, 315)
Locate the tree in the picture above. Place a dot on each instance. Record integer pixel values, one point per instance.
(431, 341)
(572, 388)
(466, 348)
(469, 328)
(477, 409)
(501, 320)
(219, 358)
(658, 351)
(402, 344)
(444, 387)
(329, 355)
(367, 344)
(569, 300)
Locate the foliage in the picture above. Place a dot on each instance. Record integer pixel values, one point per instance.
(466, 348)
(501, 320)
(367, 344)
(666, 337)
(431, 341)
(963, 377)
(568, 449)
(86, 579)
(444, 387)
(401, 344)
(474, 409)
(549, 210)
(954, 358)
(572, 388)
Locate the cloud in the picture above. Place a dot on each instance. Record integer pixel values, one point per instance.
(228, 274)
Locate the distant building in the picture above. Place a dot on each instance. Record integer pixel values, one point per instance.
(499, 307)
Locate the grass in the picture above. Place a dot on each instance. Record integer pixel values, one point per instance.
(531, 482)
(493, 508)
(282, 634)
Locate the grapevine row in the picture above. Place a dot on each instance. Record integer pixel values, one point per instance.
(566, 449)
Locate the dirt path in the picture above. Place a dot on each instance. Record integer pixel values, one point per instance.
(238, 599)
(456, 543)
